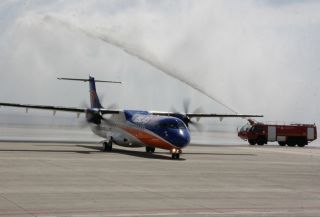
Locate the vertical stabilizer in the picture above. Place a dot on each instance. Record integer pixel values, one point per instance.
(94, 99)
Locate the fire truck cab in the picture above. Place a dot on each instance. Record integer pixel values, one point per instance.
(291, 135)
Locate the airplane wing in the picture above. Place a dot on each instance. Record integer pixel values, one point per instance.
(57, 108)
(44, 107)
(114, 111)
(204, 115)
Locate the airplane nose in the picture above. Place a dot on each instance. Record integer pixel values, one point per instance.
(178, 137)
(183, 138)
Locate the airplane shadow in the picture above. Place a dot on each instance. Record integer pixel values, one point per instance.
(134, 153)
(45, 151)
(95, 149)
(217, 154)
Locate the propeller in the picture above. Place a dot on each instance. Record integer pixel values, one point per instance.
(83, 122)
(93, 115)
(113, 106)
(185, 118)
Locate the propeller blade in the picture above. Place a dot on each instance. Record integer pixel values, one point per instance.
(113, 106)
(196, 125)
(185, 118)
(84, 104)
(186, 105)
(102, 101)
(199, 110)
(83, 123)
(107, 121)
(174, 110)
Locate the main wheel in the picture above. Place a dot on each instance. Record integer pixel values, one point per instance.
(107, 146)
(150, 149)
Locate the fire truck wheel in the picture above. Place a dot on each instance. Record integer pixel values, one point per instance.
(291, 142)
(252, 142)
(261, 141)
(282, 143)
(302, 142)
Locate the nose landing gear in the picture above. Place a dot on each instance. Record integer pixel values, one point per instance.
(175, 154)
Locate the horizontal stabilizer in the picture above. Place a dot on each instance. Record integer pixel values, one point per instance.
(86, 80)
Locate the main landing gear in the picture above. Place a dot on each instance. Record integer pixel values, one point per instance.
(150, 149)
(107, 146)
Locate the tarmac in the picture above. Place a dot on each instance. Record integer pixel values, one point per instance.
(73, 179)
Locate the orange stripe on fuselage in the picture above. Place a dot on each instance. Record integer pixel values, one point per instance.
(149, 139)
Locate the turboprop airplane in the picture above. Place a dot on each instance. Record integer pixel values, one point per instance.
(133, 128)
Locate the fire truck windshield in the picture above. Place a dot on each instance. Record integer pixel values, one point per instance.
(245, 128)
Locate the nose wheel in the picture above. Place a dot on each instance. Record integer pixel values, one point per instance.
(175, 154)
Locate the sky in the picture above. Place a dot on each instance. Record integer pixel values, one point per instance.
(254, 57)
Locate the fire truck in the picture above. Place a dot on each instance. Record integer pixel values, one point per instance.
(284, 134)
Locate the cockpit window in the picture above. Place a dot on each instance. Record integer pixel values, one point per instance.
(173, 125)
(181, 125)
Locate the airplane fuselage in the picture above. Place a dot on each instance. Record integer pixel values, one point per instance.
(139, 128)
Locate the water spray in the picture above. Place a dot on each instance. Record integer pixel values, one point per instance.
(132, 51)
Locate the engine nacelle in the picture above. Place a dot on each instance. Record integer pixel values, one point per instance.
(93, 116)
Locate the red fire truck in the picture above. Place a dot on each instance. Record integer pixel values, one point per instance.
(284, 134)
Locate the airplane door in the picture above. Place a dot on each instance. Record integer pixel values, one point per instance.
(272, 133)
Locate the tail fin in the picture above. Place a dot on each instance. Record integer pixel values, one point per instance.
(94, 99)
